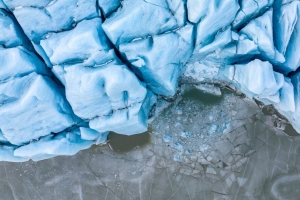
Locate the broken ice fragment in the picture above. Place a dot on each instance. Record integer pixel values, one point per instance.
(167, 138)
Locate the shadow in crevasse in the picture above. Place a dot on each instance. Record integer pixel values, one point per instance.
(124, 143)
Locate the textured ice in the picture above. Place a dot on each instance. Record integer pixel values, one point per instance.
(74, 70)
(32, 106)
(108, 6)
(133, 15)
(39, 18)
(11, 33)
(22, 61)
(86, 42)
(160, 60)
(207, 15)
(65, 143)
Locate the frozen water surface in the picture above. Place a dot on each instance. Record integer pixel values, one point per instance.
(249, 159)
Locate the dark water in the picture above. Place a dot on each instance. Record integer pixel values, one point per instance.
(123, 143)
(203, 97)
(289, 129)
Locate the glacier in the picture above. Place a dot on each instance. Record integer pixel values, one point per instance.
(73, 71)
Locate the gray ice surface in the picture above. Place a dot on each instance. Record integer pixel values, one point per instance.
(179, 158)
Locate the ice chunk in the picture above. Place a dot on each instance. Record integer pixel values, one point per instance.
(12, 4)
(128, 121)
(54, 17)
(287, 101)
(250, 9)
(214, 15)
(22, 61)
(178, 146)
(7, 154)
(257, 78)
(86, 41)
(31, 107)
(3, 140)
(11, 33)
(108, 6)
(296, 83)
(241, 49)
(287, 110)
(260, 31)
(160, 60)
(65, 143)
(286, 34)
(2, 5)
(222, 38)
(167, 138)
(100, 90)
(133, 15)
(90, 134)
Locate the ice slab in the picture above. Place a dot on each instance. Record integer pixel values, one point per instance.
(12, 4)
(286, 34)
(260, 31)
(133, 15)
(32, 106)
(108, 6)
(240, 49)
(86, 41)
(7, 154)
(65, 143)
(11, 33)
(3, 140)
(287, 97)
(39, 18)
(100, 90)
(256, 79)
(2, 5)
(128, 121)
(22, 61)
(90, 134)
(250, 9)
(208, 14)
(160, 60)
